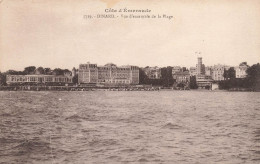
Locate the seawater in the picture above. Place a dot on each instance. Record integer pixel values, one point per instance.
(130, 127)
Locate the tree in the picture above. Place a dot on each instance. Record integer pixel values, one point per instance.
(29, 70)
(58, 71)
(167, 78)
(253, 75)
(66, 71)
(169, 74)
(13, 72)
(2, 79)
(39, 70)
(230, 73)
(47, 71)
(207, 87)
(142, 76)
(193, 82)
(225, 75)
(75, 79)
(181, 85)
(243, 63)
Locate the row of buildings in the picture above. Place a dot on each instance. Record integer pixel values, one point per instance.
(87, 74)
(111, 74)
(204, 75)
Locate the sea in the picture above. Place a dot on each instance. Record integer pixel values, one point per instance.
(182, 127)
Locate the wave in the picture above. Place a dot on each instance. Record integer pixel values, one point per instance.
(26, 146)
(172, 126)
(6, 114)
(128, 150)
(143, 160)
(78, 118)
(102, 143)
(74, 117)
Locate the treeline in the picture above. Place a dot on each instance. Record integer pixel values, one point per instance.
(252, 81)
(40, 70)
(166, 80)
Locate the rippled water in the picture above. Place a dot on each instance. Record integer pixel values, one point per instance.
(110, 127)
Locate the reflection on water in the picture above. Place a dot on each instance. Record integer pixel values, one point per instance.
(108, 127)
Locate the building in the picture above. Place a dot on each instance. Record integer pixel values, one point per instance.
(193, 71)
(241, 71)
(153, 72)
(203, 81)
(182, 77)
(38, 79)
(218, 72)
(108, 74)
(200, 67)
(214, 86)
(88, 73)
(209, 71)
(176, 69)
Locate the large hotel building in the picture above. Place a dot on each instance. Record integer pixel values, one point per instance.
(108, 74)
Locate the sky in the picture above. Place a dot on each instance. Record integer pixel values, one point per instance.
(54, 34)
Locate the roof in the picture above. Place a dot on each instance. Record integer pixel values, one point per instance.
(182, 73)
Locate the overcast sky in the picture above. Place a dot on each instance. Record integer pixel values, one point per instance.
(54, 34)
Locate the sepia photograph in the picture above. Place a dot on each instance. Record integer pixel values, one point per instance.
(129, 81)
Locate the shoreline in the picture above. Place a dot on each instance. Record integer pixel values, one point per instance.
(118, 88)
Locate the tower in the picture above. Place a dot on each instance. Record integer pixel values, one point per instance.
(73, 71)
(199, 67)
